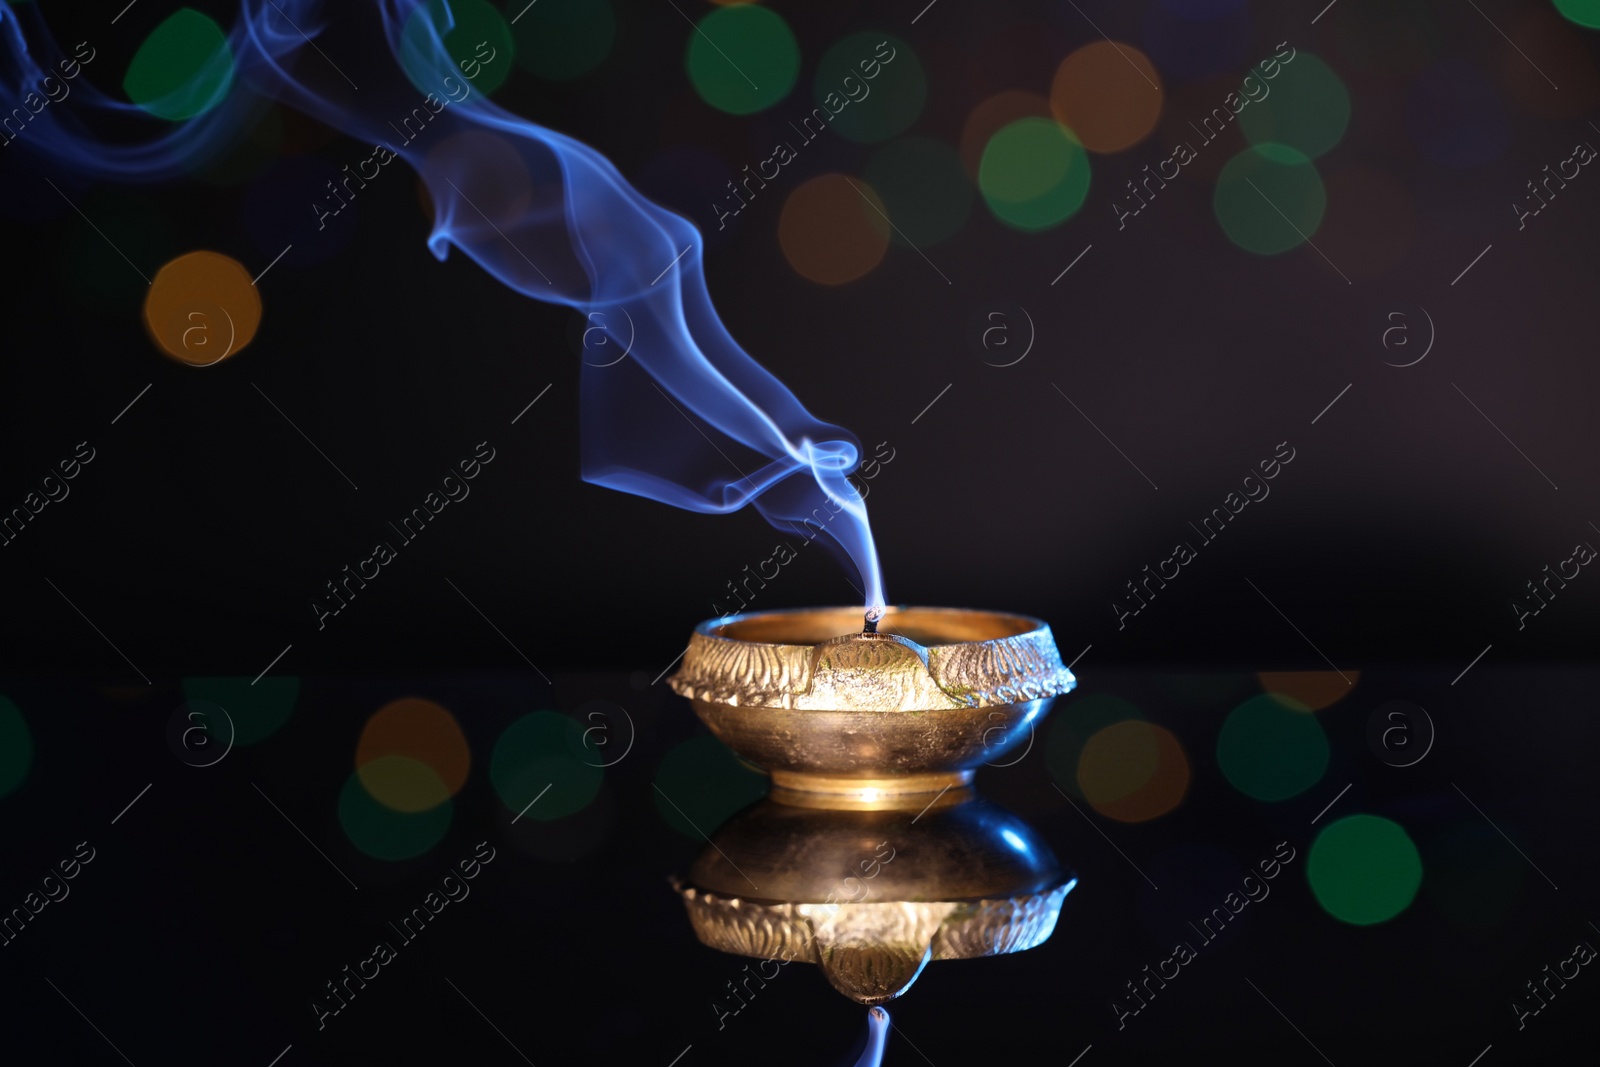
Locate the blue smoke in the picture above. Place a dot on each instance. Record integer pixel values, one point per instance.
(687, 418)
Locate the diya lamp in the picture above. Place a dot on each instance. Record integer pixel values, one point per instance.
(872, 856)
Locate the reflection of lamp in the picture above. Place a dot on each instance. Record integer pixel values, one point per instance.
(913, 707)
(872, 893)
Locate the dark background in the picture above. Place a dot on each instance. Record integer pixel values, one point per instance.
(195, 541)
(1407, 523)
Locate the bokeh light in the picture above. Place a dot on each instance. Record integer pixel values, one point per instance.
(923, 190)
(870, 99)
(1271, 748)
(742, 59)
(989, 117)
(182, 69)
(1364, 869)
(536, 752)
(1310, 689)
(1133, 771)
(202, 308)
(1269, 199)
(561, 39)
(402, 783)
(1455, 117)
(700, 783)
(16, 748)
(1033, 174)
(384, 833)
(1108, 94)
(1305, 107)
(257, 709)
(476, 39)
(1071, 727)
(831, 230)
(405, 735)
(1585, 13)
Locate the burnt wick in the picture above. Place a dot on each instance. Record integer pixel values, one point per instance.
(870, 623)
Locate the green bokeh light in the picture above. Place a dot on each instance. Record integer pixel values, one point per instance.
(537, 751)
(1583, 12)
(16, 748)
(1072, 726)
(700, 783)
(384, 833)
(561, 39)
(1269, 199)
(1033, 174)
(742, 59)
(258, 709)
(924, 190)
(1307, 108)
(868, 109)
(1272, 747)
(182, 69)
(477, 43)
(1364, 869)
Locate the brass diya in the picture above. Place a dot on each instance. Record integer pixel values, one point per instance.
(824, 706)
(872, 896)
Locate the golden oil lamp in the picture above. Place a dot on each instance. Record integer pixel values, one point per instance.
(911, 702)
(872, 856)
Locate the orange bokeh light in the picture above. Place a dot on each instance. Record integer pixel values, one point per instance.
(1314, 690)
(833, 229)
(1108, 94)
(1133, 771)
(202, 308)
(418, 730)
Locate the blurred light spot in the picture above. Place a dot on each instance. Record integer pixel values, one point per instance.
(1269, 199)
(1364, 869)
(829, 232)
(477, 43)
(1563, 56)
(402, 783)
(1371, 222)
(1309, 689)
(923, 190)
(742, 59)
(1272, 748)
(1390, 38)
(1133, 771)
(384, 833)
(422, 732)
(1014, 841)
(1472, 877)
(1306, 107)
(870, 100)
(16, 747)
(561, 39)
(1108, 94)
(1583, 12)
(258, 710)
(700, 783)
(1455, 117)
(989, 117)
(182, 69)
(1072, 726)
(1033, 174)
(201, 308)
(1190, 41)
(534, 752)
